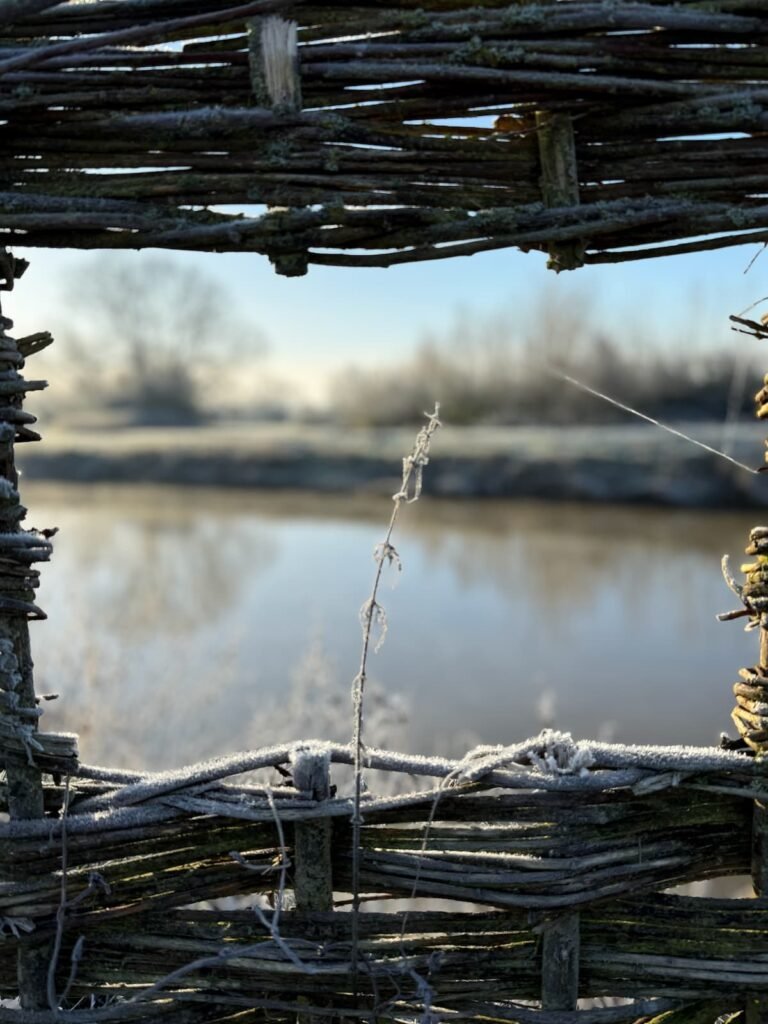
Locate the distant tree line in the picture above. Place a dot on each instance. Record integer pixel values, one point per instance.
(493, 371)
(159, 337)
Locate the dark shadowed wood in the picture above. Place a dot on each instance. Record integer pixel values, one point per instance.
(23, 776)
(559, 179)
(16, 10)
(757, 1006)
(560, 949)
(411, 131)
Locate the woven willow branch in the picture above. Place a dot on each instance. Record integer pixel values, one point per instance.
(426, 131)
(521, 833)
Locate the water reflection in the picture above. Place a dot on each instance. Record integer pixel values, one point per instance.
(178, 619)
(160, 561)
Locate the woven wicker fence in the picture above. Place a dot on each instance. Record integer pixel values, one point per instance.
(368, 134)
(376, 133)
(549, 860)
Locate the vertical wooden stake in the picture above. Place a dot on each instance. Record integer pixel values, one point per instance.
(559, 180)
(312, 870)
(757, 1006)
(273, 60)
(313, 882)
(25, 800)
(760, 814)
(17, 582)
(273, 55)
(560, 963)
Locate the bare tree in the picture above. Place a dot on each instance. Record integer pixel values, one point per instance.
(502, 368)
(156, 328)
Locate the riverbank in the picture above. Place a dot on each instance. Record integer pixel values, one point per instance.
(635, 463)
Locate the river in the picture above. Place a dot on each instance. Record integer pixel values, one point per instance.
(186, 622)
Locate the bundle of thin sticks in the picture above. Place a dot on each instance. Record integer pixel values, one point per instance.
(401, 131)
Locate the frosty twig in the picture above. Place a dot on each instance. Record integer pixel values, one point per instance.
(372, 614)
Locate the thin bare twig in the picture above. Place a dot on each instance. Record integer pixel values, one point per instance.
(371, 612)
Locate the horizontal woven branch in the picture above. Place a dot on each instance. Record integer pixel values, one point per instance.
(688, 947)
(511, 838)
(424, 129)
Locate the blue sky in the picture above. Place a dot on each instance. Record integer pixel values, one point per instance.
(334, 316)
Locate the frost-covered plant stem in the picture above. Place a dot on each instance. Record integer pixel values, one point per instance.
(372, 614)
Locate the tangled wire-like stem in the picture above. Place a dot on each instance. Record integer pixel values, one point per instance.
(372, 613)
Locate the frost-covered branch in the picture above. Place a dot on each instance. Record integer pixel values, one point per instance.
(373, 615)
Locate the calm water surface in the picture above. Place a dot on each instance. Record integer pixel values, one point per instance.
(185, 623)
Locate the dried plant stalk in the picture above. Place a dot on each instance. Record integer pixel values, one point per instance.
(372, 616)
